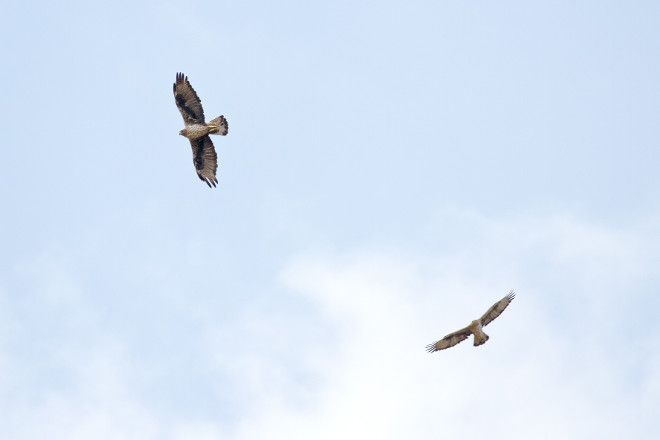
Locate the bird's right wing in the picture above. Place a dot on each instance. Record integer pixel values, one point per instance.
(497, 309)
(205, 159)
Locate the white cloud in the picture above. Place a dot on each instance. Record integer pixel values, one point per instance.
(545, 373)
(99, 403)
(336, 349)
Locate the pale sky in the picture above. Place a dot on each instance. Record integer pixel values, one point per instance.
(391, 170)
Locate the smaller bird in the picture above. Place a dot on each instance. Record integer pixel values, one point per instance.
(475, 328)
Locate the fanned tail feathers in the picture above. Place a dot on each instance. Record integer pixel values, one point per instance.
(218, 126)
(480, 339)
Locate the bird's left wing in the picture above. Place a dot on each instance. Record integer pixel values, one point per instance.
(450, 340)
(497, 309)
(187, 101)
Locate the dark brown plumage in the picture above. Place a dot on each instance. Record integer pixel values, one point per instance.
(197, 131)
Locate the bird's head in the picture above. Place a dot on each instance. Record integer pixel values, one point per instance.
(182, 132)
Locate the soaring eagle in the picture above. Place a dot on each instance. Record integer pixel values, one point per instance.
(197, 131)
(474, 328)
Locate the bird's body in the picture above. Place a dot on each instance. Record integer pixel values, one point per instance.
(475, 328)
(197, 130)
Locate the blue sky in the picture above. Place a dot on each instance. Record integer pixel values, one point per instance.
(391, 170)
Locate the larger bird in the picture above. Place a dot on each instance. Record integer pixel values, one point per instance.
(474, 328)
(198, 131)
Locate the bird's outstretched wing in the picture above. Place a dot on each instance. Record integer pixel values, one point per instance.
(497, 309)
(187, 101)
(450, 340)
(205, 159)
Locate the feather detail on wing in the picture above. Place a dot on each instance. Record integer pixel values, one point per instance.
(205, 159)
(450, 340)
(497, 309)
(187, 101)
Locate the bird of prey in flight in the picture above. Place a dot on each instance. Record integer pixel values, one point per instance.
(198, 131)
(475, 328)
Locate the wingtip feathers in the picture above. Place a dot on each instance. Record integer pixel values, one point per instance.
(210, 181)
(180, 79)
